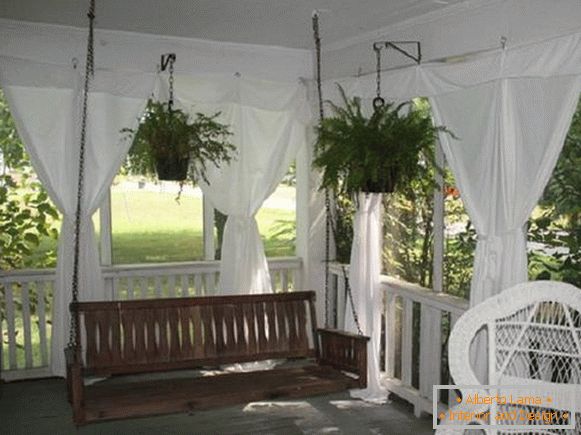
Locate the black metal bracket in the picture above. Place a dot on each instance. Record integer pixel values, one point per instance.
(397, 45)
(166, 59)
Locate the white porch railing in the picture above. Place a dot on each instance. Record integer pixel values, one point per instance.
(415, 329)
(26, 295)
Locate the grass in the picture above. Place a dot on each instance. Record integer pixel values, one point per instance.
(152, 227)
(149, 226)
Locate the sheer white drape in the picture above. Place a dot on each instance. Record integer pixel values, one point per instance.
(268, 121)
(510, 132)
(364, 273)
(46, 109)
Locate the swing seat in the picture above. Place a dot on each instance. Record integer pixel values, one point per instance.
(145, 336)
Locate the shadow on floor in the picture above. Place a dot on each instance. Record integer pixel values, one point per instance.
(40, 407)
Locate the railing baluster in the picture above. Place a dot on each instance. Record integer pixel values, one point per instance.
(184, 285)
(407, 341)
(116, 288)
(171, 283)
(130, 288)
(26, 318)
(198, 285)
(284, 279)
(10, 326)
(430, 349)
(390, 338)
(41, 310)
(158, 292)
(341, 301)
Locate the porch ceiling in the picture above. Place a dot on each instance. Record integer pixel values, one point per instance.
(266, 22)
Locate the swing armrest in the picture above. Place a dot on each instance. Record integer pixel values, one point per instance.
(344, 351)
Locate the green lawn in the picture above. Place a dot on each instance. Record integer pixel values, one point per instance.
(150, 227)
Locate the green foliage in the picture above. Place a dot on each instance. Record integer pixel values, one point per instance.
(163, 133)
(27, 216)
(557, 225)
(343, 227)
(375, 154)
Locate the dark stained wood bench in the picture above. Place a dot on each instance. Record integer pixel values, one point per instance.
(143, 336)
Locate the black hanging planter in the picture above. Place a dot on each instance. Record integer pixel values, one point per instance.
(172, 167)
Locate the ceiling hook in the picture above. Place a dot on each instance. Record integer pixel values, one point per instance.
(503, 41)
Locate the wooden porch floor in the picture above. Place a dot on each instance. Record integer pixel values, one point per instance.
(40, 407)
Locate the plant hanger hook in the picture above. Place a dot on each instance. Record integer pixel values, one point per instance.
(378, 101)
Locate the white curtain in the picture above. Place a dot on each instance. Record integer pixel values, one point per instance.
(510, 132)
(268, 121)
(364, 273)
(45, 102)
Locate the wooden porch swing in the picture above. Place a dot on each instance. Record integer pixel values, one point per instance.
(146, 336)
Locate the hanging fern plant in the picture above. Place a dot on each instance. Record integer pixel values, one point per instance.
(170, 144)
(373, 154)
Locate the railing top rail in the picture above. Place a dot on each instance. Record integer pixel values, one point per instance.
(414, 292)
(425, 296)
(26, 274)
(20, 275)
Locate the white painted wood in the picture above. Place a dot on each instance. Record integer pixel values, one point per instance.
(41, 289)
(171, 282)
(430, 349)
(115, 288)
(342, 300)
(184, 285)
(105, 233)
(438, 224)
(158, 291)
(390, 336)
(273, 276)
(407, 338)
(26, 326)
(208, 228)
(198, 285)
(130, 288)
(10, 327)
(284, 280)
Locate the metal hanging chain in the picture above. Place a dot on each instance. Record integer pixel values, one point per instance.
(348, 289)
(329, 227)
(169, 60)
(172, 59)
(89, 72)
(378, 102)
(317, 38)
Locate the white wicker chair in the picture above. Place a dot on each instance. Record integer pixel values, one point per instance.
(534, 334)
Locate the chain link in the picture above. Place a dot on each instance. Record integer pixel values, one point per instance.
(378, 70)
(89, 72)
(171, 80)
(317, 38)
(329, 227)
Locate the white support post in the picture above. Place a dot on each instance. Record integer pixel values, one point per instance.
(208, 228)
(438, 224)
(106, 239)
(311, 215)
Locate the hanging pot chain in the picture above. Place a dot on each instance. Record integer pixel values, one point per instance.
(171, 80)
(378, 102)
(89, 72)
